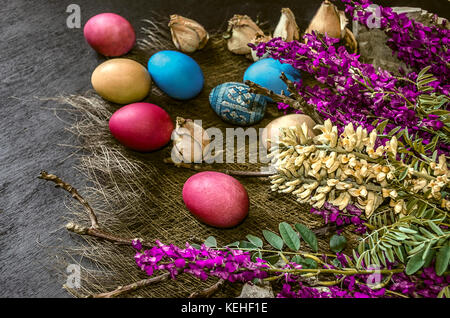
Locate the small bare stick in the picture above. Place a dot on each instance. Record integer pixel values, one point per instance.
(94, 229)
(61, 184)
(131, 287)
(201, 167)
(297, 103)
(208, 292)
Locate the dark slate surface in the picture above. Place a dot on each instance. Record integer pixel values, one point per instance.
(41, 57)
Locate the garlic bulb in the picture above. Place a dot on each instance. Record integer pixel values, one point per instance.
(328, 19)
(241, 31)
(191, 142)
(187, 35)
(259, 39)
(287, 28)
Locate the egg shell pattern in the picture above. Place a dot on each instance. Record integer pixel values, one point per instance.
(234, 103)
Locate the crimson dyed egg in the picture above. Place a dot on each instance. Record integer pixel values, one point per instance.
(216, 199)
(109, 34)
(141, 126)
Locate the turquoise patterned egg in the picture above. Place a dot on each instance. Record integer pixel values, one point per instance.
(234, 103)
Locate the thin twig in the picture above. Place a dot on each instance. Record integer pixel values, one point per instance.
(61, 184)
(208, 292)
(131, 287)
(95, 231)
(297, 103)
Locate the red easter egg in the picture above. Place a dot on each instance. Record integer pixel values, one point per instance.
(109, 34)
(216, 199)
(141, 126)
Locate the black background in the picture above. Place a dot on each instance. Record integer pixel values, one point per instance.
(41, 57)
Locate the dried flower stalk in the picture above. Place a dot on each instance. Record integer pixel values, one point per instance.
(348, 168)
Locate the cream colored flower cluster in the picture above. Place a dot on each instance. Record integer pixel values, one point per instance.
(345, 169)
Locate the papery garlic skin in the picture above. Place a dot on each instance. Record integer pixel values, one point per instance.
(187, 35)
(242, 31)
(327, 20)
(287, 27)
(191, 142)
(259, 39)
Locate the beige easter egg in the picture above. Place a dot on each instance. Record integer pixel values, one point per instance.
(287, 121)
(121, 81)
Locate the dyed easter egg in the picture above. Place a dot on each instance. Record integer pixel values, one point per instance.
(267, 72)
(272, 130)
(121, 81)
(141, 126)
(176, 74)
(236, 105)
(109, 34)
(216, 199)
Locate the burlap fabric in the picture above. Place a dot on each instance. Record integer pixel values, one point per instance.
(138, 195)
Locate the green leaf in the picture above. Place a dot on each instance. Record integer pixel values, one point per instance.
(407, 230)
(305, 262)
(403, 174)
(255, 255)
(211, 241)
(399, 253)
(435, 228)
(417, 249)
(234, 244)
(444, 292)
(337, 243)
(297, 259)
(247, 245)
(380, 128)
(273, 239)
(414, 264)
(310, 263)
(196, 246)
(272, 259)
(423, 72)
(336, 263)
(255, 240)
(442, 259)
(427, 233)
(289, 236)
(393, 131)
(429, 258)
(308, 236)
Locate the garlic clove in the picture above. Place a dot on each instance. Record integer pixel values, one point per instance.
(187, 35)
(287, 27)
(242, 30)
(343, 22)
(191, 141)
(327, 20)
(350, 41)
(259, 39)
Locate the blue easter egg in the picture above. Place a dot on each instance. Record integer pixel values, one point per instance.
(234, 103)
(176, 74)
(267, 72)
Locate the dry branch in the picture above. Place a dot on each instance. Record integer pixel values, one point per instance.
(131, 287)
(208, 292)
(95, 231)
(297, 103)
